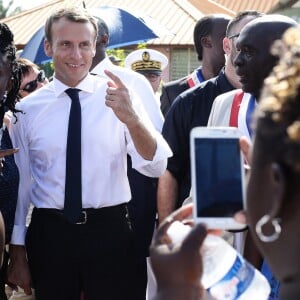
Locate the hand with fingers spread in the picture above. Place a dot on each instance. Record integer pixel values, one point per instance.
(178, 269)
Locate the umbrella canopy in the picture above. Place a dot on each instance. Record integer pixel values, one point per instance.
(125, 28)
(34, 49)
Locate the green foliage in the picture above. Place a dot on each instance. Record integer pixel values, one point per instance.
(48, 68)
(120, 53)
(6, 11)
(142, 46)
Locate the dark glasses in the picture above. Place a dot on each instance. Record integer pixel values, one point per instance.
(32, 85)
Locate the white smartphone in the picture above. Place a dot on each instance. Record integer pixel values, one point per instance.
(218, 177)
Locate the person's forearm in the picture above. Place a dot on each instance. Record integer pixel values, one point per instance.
(17, 252)
(144, 142)
(18, 270)
(167, 194)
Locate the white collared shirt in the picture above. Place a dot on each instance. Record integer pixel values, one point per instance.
(41, 135)
(140, 85)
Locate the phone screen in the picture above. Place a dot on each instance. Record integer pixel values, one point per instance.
(219, 186)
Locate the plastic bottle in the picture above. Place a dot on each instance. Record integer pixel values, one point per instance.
(226, 274)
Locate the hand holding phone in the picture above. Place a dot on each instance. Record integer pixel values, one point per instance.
(217, 177)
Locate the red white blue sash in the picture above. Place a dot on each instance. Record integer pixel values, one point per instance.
(242, 109)
(195, 78)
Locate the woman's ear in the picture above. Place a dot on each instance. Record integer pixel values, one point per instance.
(274, 191)
(278, 187)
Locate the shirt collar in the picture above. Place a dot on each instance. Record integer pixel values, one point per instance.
(86, 85)
(224, 82)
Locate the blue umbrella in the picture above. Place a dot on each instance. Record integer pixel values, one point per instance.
(34, 49)
(125, 29)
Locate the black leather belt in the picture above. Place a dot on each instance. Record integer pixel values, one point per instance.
(86, 213)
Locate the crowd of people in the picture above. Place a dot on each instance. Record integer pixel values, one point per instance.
(272, 189)
(97, 158)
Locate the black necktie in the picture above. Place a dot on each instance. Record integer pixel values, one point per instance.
(73, 192)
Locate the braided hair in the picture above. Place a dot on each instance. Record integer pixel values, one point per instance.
(278, 114)
(8, 48)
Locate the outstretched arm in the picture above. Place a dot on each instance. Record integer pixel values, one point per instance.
(167, 194)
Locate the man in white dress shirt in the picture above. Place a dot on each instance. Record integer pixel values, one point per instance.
(94, 253)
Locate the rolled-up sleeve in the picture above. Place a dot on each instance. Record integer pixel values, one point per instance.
(22, 160)
(157, 166)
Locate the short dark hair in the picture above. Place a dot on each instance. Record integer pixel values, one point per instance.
(72, 14)
(26, 66)
(239, 16)
(204, 27)
(102, 27)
